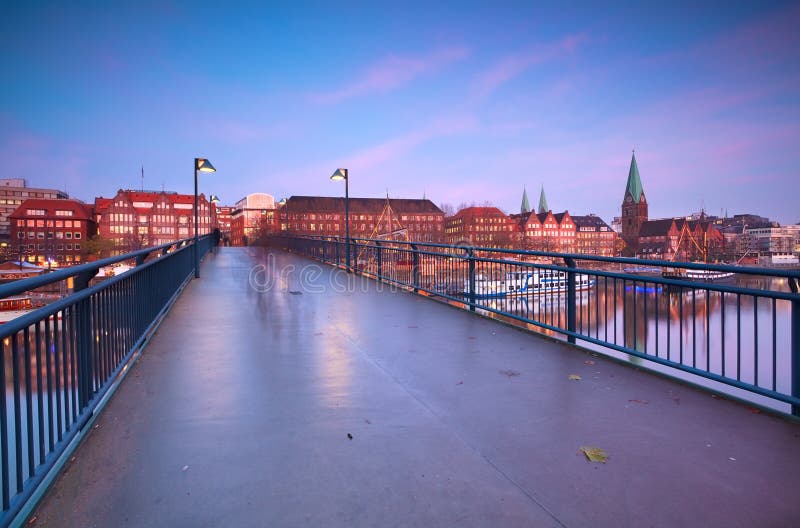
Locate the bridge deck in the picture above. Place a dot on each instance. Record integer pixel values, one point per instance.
(240, 413)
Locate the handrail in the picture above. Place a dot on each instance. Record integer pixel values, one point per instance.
(59, 362)
(662, 319)
(31, 283)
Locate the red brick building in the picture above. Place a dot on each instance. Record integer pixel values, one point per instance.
(546, 231)
(418, 220)
(481, 226)
(680, 240)
(51, 232)
(136, 219)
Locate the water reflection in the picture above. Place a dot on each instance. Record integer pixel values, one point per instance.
(738, 336)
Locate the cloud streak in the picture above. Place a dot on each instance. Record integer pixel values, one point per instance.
(392, 72)
(512, 66)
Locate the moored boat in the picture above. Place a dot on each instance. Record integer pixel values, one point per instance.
(534, 282)
(698, 275)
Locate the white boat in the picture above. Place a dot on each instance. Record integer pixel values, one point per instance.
(698, 275)
(533, 282)
(13, 307)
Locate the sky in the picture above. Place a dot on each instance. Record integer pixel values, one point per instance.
(460, 102)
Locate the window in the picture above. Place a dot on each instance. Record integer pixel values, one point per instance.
(76, 235)
(77, 247)
(31, 234)
(39, 235)
(35, 212)
(67, 235)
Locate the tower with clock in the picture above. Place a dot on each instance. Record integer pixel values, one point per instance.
(634, 209)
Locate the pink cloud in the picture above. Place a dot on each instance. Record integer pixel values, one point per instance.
(393, 71)
(513, 66)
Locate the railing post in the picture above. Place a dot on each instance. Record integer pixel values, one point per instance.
(415, 267)
(571, 301)
(83, 340)
(336, 246)
(794, 285)
(471, 296)
(379, 260)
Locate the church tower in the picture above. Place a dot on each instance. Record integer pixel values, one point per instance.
(634, 209)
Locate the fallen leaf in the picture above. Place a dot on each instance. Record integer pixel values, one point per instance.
(509, 373)
(574, 377)
(32, 521)
(755, 411)
(460, 383)
(367, 421)
(731, 458)
(645, 402)
(349, 436)
(185, 468)
(589, 362)
(594, 454)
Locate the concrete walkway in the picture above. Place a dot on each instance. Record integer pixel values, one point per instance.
(306, 405)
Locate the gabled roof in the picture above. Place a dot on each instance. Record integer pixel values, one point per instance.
(102, 204)
(360, 205)
(656, 227)
(79, 210)
(634, 186)
(542, 202)
(560, 216)
(593, 221)
(480, 212)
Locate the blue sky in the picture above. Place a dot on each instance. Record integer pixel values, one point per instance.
(461, 101)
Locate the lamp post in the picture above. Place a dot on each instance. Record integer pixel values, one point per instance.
(202, 165)
(341, 174)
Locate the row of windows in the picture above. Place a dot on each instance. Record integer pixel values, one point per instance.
(41, 259)
(49, 223)
(50, 247)
(50, 234)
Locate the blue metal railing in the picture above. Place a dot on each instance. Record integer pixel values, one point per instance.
(744, 333)
(59, 361)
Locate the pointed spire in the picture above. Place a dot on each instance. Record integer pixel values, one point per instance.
(634, 186)
(542, 202)
(525, 207)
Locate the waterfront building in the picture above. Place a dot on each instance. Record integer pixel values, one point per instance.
(412, 219)
(546, 231)
(136, 219)
(14, 191)
(51, 232)
(481, 226)
(593, 236)
(253, 216)
(678, 239)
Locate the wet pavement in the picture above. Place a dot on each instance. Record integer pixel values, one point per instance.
(307, 401)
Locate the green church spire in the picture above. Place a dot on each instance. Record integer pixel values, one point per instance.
(542, 203)
(634, 182)
(525, 207)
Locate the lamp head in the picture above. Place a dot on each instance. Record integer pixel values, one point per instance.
(283, 201)
(203, 165)
(339, 175)
(213, 198)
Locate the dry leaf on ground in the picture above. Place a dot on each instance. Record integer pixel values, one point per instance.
(594, 454)
(574, 377)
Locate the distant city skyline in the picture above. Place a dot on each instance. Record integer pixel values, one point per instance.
(462, 102)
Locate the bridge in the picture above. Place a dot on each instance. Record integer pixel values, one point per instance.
(277, 390)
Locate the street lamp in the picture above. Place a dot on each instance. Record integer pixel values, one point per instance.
(341, 174)
(202, 165)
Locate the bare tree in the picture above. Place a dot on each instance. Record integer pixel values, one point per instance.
(447, 209)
